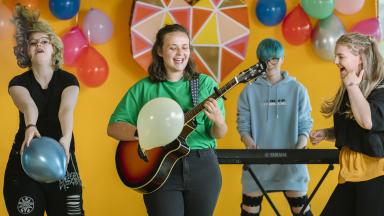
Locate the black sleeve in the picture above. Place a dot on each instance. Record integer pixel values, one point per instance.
(376, 103)
(69, 80)
(18, 81)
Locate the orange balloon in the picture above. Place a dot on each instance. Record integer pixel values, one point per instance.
(7, 29)
(92, 68)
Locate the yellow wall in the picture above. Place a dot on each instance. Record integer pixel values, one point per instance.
(104, 194)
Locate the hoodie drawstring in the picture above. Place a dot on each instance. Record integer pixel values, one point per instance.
(277, 102)
(267, 102)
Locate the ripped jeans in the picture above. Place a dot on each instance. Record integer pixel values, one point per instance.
(25, 197)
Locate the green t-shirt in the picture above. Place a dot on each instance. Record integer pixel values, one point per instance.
(138, 95)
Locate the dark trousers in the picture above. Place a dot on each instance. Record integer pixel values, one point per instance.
(192, 188)
(25, 197)
(357, 199)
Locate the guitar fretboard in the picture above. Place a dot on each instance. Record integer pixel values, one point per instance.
(188, 116)
(252, 72)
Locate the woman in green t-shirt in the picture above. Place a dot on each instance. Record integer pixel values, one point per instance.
(194, 182)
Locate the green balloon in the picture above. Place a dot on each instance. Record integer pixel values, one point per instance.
(318, 9)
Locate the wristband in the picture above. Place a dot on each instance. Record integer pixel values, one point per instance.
(30, 125)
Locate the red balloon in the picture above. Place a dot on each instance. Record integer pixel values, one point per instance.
(296, 26)
(92, 68)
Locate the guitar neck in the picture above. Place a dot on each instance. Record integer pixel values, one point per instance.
(188, 116)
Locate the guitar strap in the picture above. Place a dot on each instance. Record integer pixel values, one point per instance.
(194, 86)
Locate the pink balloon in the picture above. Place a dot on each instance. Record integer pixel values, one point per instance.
(97, 26)
(74, 41)
(7, 29)
(92, 68)
(368, 27)
(348, 7)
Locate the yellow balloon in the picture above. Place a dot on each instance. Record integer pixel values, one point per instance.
(160, 122)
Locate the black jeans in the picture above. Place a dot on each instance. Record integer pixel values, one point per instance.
(192, 188)
(357, 199)
(25, 197)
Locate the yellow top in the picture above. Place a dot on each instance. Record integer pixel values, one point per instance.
(357, 167)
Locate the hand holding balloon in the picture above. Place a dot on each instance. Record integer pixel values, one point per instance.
(65, 141)
(30, 132)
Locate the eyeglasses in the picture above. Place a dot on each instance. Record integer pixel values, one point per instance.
(35, 42)
(273, 60)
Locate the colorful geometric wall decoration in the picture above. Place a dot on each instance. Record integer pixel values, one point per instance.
(219, 30)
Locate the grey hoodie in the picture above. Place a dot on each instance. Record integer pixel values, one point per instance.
(274, 116)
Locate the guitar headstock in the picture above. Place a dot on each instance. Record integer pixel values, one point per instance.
(253, 72)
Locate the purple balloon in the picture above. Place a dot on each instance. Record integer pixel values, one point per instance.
(97, 26)
(368, 27)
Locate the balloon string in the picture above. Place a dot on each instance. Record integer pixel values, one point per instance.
(88, 31)
(77, 18)
(377, 9)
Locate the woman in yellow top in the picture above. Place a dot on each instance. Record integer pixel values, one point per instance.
(358, 113)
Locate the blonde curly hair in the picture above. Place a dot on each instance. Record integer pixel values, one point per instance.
(27, 22)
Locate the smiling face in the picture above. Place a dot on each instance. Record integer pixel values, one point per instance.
(347, 61)
(175, 52)
(40, 49)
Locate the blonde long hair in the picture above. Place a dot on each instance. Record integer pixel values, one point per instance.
(368, 49)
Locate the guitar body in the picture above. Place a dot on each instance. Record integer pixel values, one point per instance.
(147, 176)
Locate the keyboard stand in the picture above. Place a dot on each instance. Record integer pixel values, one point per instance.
(246, 167)
(329, 168)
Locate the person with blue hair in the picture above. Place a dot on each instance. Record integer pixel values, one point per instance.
(274, 112)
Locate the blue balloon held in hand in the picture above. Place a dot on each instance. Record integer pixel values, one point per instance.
(44, 160)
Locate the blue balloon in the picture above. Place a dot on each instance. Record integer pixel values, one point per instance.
(64, 9)
(271, 12)
(44, 160)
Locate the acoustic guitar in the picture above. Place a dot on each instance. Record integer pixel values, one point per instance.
(147, 173)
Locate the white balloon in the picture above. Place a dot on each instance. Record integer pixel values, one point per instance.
(160, 122)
